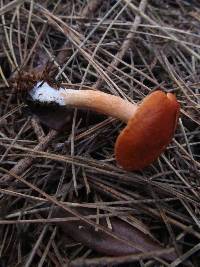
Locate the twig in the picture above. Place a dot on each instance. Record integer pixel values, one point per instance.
(37, 129)
(88, 11)
(125, 45)
(105, 261)
(152, 22)
(10, 6)
(25, 163)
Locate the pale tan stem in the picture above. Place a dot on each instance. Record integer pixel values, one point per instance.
(110, 105)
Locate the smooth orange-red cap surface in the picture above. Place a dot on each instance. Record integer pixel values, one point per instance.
(148, 132)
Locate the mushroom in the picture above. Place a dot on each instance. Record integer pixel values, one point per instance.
(150, 124)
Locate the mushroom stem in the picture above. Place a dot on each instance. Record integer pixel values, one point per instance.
(107, 104)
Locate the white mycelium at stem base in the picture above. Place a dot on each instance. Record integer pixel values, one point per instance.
(111, 105)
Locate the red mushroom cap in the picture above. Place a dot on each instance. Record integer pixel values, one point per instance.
(148, 132)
